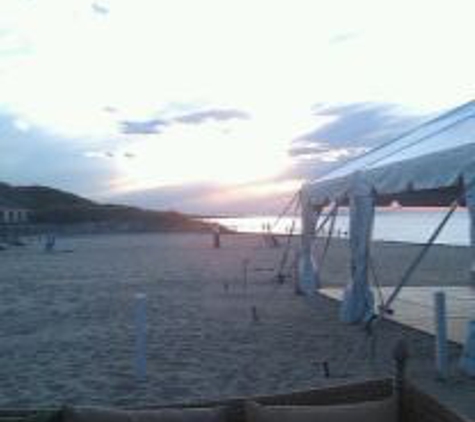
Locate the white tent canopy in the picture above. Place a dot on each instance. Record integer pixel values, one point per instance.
(432, 164)
(438, 154)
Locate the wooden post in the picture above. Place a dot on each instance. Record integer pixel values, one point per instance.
(467, 360)
(245, 268)
(441, 354)
(141, 336)
(255, 315)
(216, 237)
(400, 356)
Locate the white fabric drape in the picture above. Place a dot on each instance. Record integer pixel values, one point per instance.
(467, 360)
(358, 300)
(470, 200)
(309, 280)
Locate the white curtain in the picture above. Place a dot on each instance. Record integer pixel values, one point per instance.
(358, 299)
(309, 280)
(467, 360)
(470, 200)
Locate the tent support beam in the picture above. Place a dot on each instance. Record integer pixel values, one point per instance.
(326, 219)
(308, 271)
(329, 236)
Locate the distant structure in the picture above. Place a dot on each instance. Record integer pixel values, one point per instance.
(11, 213)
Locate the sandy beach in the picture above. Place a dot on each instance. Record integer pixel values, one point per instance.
(67, 322)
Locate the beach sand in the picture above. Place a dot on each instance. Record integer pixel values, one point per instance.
(67, 322)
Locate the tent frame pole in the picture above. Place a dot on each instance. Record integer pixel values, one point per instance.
(308, 277)
(326, 219)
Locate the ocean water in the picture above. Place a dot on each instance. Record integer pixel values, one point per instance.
(413, 226)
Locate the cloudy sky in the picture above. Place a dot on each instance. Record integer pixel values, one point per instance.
(217, 105)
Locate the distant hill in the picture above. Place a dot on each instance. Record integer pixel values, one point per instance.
(41, 197)
(56, 207)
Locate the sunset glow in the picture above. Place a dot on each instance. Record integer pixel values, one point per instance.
(130, 95)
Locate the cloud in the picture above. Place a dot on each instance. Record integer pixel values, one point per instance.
(191, 197)
(83, 71)
(156, 126)
(323, 150)
(33, 156)
(326, 152)
(100, 8)
(212, 114)
(108, 154)
(97, 168)
(352, 130)
(67, 48)
(145, 127)
(344, 37)
(212, 199)
(365, 124)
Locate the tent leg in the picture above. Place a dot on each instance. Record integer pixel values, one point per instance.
(358, 300)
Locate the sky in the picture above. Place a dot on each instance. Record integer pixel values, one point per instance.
(217, 105)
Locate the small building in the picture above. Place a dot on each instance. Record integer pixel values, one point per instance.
(11, 213)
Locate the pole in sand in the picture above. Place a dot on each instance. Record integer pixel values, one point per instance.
(441, 355)
(216, 237)
(245, 267)
(141, 336)
(467, 360)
